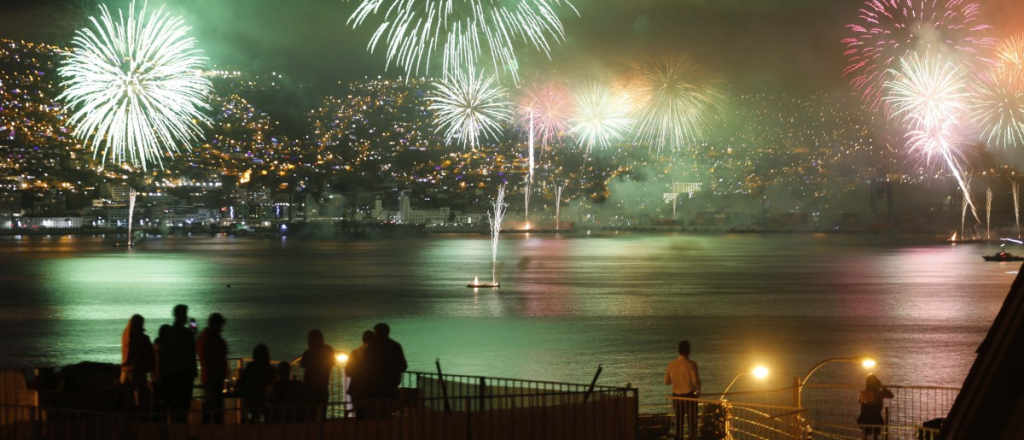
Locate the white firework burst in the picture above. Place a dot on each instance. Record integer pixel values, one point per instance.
(461, 30)
(600, 116)
(467, 105)
(133, 85)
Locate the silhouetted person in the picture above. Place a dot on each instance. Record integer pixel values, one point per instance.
(317, 360)
(683, 376)
(872, 399)
(387, 356)
(137, 360)
(178, 365)
(254, 381)
(286, 395)
(213, 358)
(361, 374)
(155, 377)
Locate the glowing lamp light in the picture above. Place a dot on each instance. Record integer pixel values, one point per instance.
(868, 362)
(341, 358)
(760, 372)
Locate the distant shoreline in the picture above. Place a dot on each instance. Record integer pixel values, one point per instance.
(275, 233)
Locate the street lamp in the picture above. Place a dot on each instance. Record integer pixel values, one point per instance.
(865, 361)
(759, 372)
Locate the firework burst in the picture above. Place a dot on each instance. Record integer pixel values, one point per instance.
(676, 105)
(887, 30)
(133, 86)
(461, 30)
(998, 112)
(1009, 63)
(548, 106)
(930, 95)
(600, 116)
(467, 104)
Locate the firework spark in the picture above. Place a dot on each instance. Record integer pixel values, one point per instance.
(461, 30)
(998, 111)
(133, 86)
(930, 95)
(600, 116)
(678, 106)
(467, 104)
(887, 30)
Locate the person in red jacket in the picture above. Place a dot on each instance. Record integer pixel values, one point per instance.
(213, 362)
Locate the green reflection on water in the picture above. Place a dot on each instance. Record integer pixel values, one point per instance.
(109, 286)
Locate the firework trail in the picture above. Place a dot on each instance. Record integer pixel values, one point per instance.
(132, 194)
(1009, 63)
(1016, 205)
(988, 214)
(529, 181)
(462, 31)
(963, 217)
(133, 86)
(998, 111)
(495, 217)
(599, 118)
(887, 30)
(677, 105)
(466, 105)
(558, 206)
(930, 95)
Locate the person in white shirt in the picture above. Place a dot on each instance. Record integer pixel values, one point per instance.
(683, 376)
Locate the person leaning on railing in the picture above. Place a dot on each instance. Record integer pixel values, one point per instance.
(872, 399)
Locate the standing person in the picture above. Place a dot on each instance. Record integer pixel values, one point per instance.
(391, 360)
(178, 365)
(362, 375)
(155, 378)
(137, 360)
(253, 383)
(317, 360)
(872, 399)
(683, 376)
(286, 396)
(213, 358)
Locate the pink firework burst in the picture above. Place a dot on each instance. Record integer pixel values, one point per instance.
(549, 105)
(887, 30)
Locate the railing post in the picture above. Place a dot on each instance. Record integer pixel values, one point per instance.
(482, 392)
(593, 382)
(444, 389)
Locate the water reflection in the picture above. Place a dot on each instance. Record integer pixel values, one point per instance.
(566, 303)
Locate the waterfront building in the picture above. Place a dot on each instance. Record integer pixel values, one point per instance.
(49, 222)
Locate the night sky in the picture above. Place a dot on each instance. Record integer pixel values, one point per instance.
(785, 45)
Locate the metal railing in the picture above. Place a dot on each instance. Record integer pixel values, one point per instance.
(829, 412)
(833, 409)
(428, 406)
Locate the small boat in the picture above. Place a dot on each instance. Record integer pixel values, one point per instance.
(1003, 256)
(476, 284)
